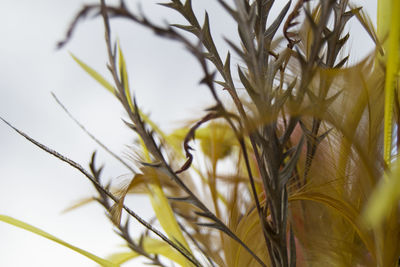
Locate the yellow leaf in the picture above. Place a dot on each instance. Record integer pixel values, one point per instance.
(162, 207)
(348, 212)
(155, 246)
(116, 209)
(124, 77)
(152, 178)
(384, 198)
(79, 203)
(44, 234)
(95, 75)
(158, 199)
(122, 257)
(383, 18)
(151, 246)
(153, 126)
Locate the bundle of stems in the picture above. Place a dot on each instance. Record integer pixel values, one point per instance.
(306, 139)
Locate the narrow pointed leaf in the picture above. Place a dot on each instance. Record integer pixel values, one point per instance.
(270, 32)
(188, 28)
(223, 84)
(287, 171)
(235, 48)
(173, 5)
(95, 75)
(122, 257)
(246, 83)
(79, 203)
(124, 77)
(384, 198)
(341, 63)
(44, 234)
(287, 93)
(187, 199)
(151, 246)
(162, 208)
(227, 65)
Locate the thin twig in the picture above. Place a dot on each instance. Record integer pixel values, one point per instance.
(104, 190)
(91, 135)
(135, 117)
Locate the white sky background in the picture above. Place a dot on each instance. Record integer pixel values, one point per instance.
(34, 186)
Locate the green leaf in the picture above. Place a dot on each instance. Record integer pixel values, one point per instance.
(95, 75)
(44, 234)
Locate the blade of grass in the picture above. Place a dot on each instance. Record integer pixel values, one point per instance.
(160, 204)
(33, 229)
(162, 208)
(384, 198)
(94, 74)
(98, 186)
(124, 76)
(151, 246)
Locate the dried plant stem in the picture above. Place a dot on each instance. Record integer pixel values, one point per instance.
(99, 187)
(123, 230)
(92, 136)
(139, 126)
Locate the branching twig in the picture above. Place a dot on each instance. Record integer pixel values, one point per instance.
(99, 187)
(138, 123)
(123, 230)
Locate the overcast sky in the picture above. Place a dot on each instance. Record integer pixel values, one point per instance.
(35, 187)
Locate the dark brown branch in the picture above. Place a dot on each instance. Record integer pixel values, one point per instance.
(191, 136)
